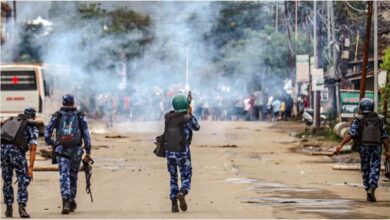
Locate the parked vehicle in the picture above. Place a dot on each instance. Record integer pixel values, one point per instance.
(22, 86)
(308, 117)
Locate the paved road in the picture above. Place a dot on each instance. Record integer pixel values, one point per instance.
(260, 178)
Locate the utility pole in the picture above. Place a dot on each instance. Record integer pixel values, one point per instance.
(356, 49)
(376, 55)
(365, 51)
(187, 85)
(290, 57)
(14, 3)
(315, 33)
(296, 20)
(334, 58)
(328, 27)
(316, 114)
(276, 15)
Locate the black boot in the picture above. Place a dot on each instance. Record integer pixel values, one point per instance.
(8, 211)
(371, 194)
(183, 204)
(72, 205)
(65, 206)
(22, 211)
(175, 208)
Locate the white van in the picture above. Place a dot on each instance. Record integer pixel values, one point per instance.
(22, 86)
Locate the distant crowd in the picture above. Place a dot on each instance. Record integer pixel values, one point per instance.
(256, 106)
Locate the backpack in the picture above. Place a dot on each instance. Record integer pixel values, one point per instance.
(12, 131)
(174, 134)
(68, 129)
(370, 130)
(159, 151)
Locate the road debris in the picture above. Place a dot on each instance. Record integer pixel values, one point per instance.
(115, 136)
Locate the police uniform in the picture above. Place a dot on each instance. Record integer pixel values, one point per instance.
(370, 156)
(69, 158)
(14, 158)
(182, 160)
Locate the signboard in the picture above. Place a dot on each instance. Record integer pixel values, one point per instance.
(325, 95)
(349, 101)
(317, 79)
(302, 64)
(382, 79)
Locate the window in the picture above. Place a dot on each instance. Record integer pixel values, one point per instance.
(18, 80)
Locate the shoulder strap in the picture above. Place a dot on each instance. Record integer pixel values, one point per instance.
(361, 125)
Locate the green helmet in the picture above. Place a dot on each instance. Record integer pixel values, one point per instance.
(180, 103)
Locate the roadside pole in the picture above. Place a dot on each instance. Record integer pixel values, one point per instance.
(365, 51)
(376, 55)
(334, 58)
(316, 94)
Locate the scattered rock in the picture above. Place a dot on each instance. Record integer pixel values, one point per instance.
(115, 136)
(289, 202)
(293, 134)
(46, 153)
(99, 146)
(221, 146)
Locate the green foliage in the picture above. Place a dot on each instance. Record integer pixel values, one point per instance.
(123, 20)
(119, 35)
(30, 47)
(385, 65)
(234, 18)
(260, 54)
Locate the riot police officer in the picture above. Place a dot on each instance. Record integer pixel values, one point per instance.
(13, 151)
(71, 129)
(369, 131)
(179, 125)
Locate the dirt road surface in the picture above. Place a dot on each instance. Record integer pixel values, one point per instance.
(240, 170)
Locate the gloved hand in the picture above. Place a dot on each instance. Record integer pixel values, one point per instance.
(87, 158)
(388, 155)
(337, 149)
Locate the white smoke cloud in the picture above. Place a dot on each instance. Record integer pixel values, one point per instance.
(176, 26)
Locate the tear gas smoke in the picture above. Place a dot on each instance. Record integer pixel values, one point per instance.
(86, 64)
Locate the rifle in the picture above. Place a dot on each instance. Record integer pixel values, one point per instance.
(387, 168)
(87, 166)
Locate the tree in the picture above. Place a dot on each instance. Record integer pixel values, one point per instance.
(234, 18)
(385, 65)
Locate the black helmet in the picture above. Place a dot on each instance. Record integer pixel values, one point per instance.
(366, 105)
(68, 100)
(30, 112)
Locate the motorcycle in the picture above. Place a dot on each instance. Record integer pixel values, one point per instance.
(308, 117)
